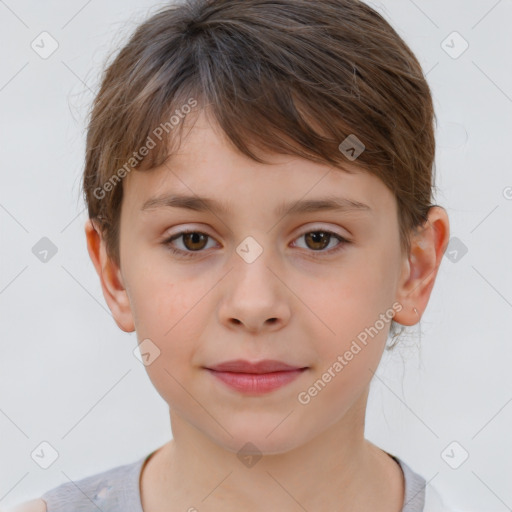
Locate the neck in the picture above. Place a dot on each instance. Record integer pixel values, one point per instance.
(336, 470)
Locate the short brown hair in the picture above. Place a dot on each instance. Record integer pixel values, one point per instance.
(287, 76)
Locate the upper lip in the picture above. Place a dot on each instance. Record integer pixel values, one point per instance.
(263, 366)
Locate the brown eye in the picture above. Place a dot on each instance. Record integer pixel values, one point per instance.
(191, 242)
(317, 240)
(194, 241)
(322, 242)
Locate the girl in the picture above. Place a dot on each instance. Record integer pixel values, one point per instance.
(259, 186)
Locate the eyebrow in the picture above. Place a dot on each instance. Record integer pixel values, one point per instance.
(202, 204)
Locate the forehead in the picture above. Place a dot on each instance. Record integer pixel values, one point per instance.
(206, 164)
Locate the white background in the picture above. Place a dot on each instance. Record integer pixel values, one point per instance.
(68, 375)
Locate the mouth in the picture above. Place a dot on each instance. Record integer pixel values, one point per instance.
(257, 367)
(255, 377)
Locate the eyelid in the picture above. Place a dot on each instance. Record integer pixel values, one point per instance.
(342, 242)
(318, 227)
(179, 234)
(179, 230)
(299, 232)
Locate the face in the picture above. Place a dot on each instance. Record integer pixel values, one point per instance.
(252, 282)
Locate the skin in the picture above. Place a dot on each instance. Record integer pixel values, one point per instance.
(215, 306)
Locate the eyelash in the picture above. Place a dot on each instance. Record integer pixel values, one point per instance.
(190, 254)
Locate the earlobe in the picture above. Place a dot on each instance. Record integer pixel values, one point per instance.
(421, 267)
(110, 276)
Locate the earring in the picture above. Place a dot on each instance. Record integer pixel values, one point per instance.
(416, 311)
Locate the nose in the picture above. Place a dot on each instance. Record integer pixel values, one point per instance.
(254, 297)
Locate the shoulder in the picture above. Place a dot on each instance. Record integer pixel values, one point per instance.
(113, 489)
(116, 488)
(30, 506)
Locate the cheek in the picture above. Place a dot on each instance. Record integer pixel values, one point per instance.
(158, 301)
(354, 311)
(348, 359)
(166, 313)
(172, 311)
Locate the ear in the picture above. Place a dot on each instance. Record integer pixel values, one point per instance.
(421, 265)
(110, 276)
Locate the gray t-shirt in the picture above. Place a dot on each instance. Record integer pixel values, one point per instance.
(117, 490)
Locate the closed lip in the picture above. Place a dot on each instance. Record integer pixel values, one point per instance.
(257, 367)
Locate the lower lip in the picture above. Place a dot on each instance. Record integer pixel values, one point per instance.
(257, 383)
